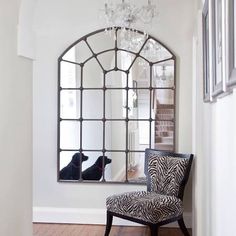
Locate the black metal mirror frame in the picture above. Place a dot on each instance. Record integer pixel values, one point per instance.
(151, 88)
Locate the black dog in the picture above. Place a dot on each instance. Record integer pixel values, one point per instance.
(95, 171)
(72, 170)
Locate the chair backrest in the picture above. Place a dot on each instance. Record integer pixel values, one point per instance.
(167, 172)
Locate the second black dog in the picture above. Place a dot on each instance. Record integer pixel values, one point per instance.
(95, 171)
(72, 170)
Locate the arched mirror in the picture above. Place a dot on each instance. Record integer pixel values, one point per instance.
(116, 97)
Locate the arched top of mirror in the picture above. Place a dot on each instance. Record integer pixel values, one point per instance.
(105, 41)
(116, 97)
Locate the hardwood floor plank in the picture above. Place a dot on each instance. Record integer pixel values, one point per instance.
(97, 230)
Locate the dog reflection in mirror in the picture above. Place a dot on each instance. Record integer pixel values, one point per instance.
(95, 171)
(72, 170)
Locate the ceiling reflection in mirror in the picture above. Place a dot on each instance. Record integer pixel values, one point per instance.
(116, 97)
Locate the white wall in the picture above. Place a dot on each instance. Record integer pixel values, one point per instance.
(215, 188)
(57, 25)
(15, 129)
(214, 184)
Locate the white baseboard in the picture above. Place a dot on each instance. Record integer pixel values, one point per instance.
(86, 216)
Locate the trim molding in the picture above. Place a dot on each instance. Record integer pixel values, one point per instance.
(86, 216)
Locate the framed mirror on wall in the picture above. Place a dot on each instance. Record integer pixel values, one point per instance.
(230, 44)
(116, 97)
(219, 62)
(206, 53)
(218, 78)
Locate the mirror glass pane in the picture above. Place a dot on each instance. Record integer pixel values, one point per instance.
(66, 158)
(102, 41)
(116, 170)
(131, 41)
(164, 115)
(163, 74)
(69, 134)
(124, 60)
(115, 135)
(107, 60)
(69, 104)
(163, 97)
(69, 166)
(79, 53)
(138, 135)
(92, 135)
(140, 74)
(136, 163)
(92, 75)
(139, 104)
(165, 112)
(92, 169)
(116, 79)
(92, 104)
(115, 103)
(70, 75)
(154, 51)
(164, 135)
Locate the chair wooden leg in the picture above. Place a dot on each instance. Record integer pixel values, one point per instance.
(183, 227)
(154, 230)
(109, 223)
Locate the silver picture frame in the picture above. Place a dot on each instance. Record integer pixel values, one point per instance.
(218, 78)
(206, 52)
(230, 35)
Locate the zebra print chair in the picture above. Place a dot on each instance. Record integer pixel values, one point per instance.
(162, 203)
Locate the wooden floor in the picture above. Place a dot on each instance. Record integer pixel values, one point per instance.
(96, 230)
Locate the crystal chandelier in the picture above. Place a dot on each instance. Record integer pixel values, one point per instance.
(127, 15)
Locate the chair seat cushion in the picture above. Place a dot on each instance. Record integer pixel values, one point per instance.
(147, 206)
